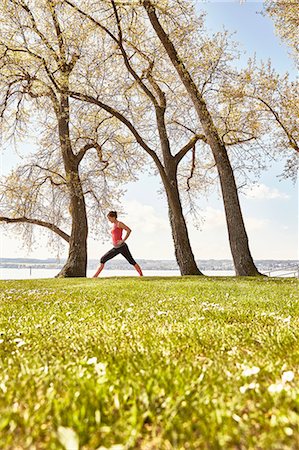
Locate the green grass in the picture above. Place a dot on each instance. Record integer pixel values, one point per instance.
(151, 364)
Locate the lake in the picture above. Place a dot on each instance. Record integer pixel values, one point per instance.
(32, 273)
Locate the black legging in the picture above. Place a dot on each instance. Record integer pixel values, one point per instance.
(123, 250)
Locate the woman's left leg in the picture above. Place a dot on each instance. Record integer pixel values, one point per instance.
(127, 254)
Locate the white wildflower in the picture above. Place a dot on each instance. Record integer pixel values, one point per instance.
(250, 386)
(275, 388)
(287, 319)
(243, 389)
(100, 369)
(249, 371)
(116, 401)
(236, 418)
(3, 387)
(19, 342)
(253, 386)
(92, 360)
(162, 313)
(68, 438)
(97, 416)
(287, 376)
(233, 351)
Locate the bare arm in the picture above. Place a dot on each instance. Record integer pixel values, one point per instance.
(126, 228)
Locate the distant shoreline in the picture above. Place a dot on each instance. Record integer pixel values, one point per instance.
(120, 264)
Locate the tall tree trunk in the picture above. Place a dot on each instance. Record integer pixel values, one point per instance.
(238, 239)
(182, 247)
(76, 263)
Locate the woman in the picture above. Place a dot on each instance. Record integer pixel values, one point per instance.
(119, 245)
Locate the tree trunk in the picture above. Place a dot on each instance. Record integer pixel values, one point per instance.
(76, 263)
(182, 247)
(238, 239)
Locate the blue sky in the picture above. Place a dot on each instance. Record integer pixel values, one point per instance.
(270, 210)
(254, 31)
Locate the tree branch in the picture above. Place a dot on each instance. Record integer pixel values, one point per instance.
(239, 142)
(41, 223)
(40, 58)
(125, 121)
(119, 41)
(48, 170)
(58, 31)
(188, 146)
(192, 169)
(87, 147)
(36, 29)
(126, 59)
(292, 140)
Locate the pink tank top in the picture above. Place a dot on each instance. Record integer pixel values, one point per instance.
(116, 233)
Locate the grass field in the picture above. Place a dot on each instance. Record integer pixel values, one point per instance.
(152, 363)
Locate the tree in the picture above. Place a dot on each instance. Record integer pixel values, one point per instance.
(271, 101)
(38, 58)
(285, 15)
(238, 239)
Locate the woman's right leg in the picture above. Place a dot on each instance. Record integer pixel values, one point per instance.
(99, 270)
(109, 255)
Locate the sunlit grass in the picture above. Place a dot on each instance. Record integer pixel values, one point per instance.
(152, 363)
